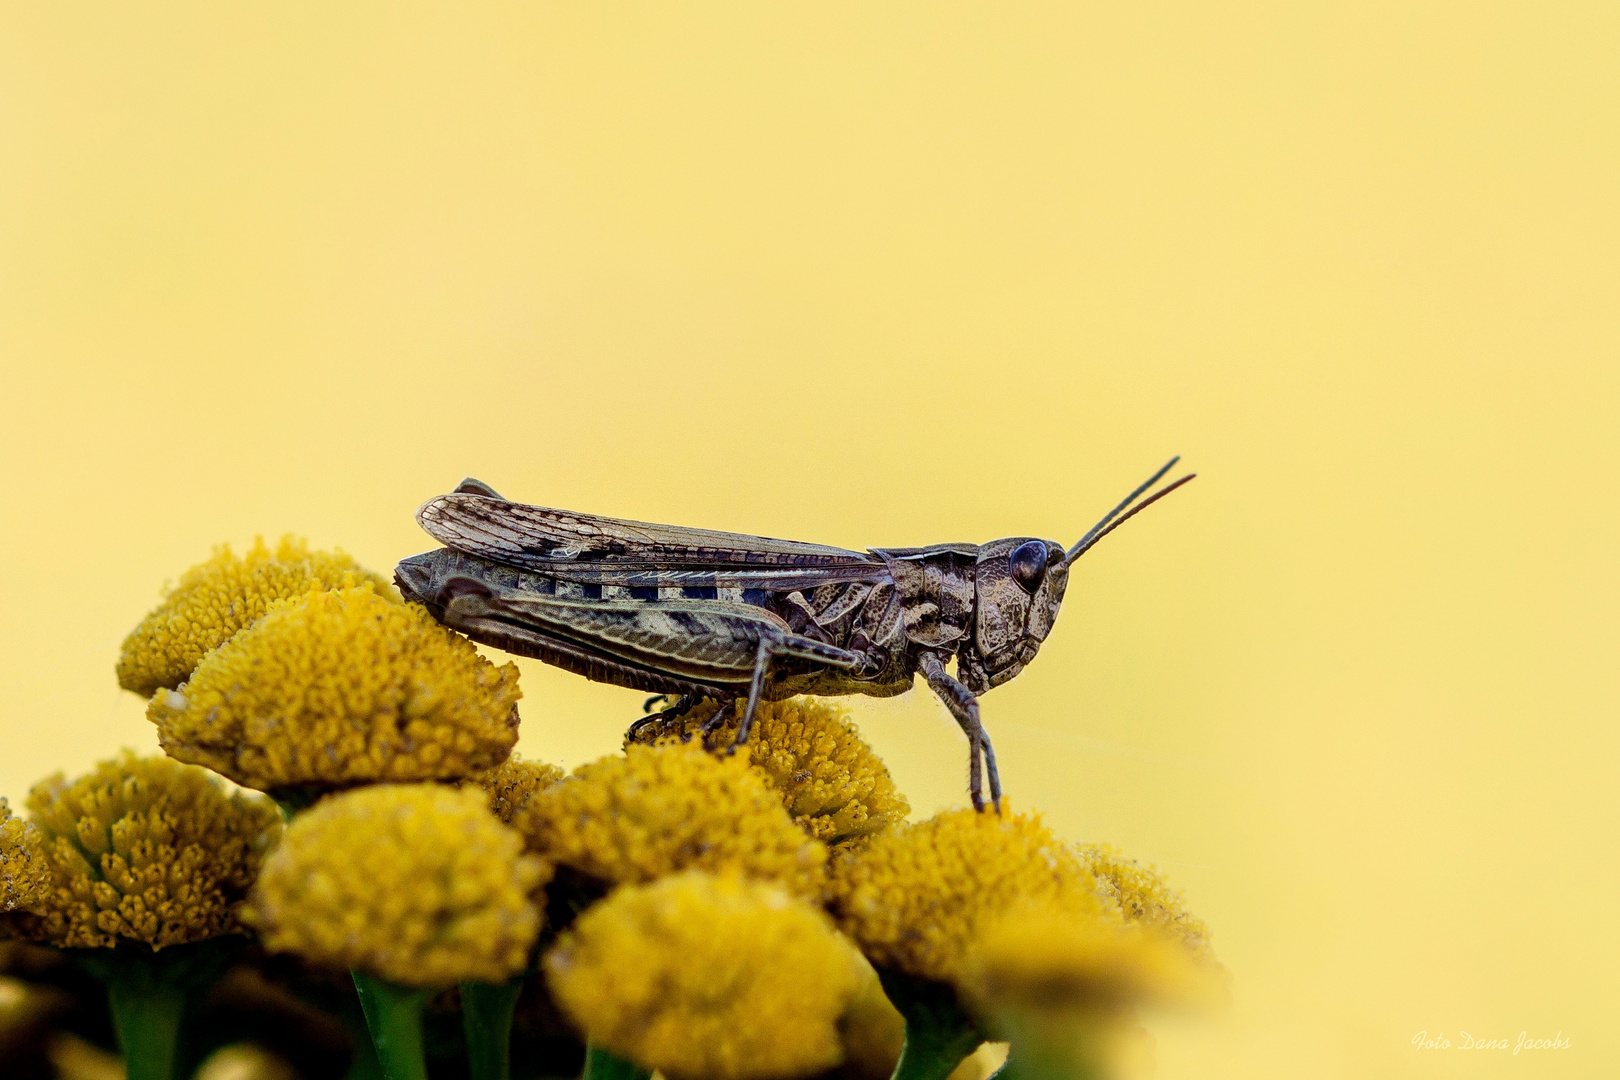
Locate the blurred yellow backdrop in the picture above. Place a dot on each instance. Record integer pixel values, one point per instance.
(887, 275)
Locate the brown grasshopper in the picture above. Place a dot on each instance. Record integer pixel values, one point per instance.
(704, 614)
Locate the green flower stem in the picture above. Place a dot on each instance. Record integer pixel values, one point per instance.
(394, 1017)
(146, 1014)
(147, 992)
(363, 1063)
(601, 1065)
(486, 1017)
(939, 1035)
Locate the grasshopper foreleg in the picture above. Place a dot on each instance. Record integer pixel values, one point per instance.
(964, 708)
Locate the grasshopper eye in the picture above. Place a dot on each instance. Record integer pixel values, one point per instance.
(1027, 563)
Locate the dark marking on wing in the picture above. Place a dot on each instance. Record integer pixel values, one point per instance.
(970, 551)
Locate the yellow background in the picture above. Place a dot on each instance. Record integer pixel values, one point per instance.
(888, 275)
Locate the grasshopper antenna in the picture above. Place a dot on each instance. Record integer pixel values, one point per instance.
(1091, 536)
(1089, 541)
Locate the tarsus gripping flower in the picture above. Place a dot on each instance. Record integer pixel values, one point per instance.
(215, 599)
(705, 977)
(338, 688)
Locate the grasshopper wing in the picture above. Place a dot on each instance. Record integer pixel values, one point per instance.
(567, 544)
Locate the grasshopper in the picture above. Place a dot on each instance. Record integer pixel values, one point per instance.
(704, 614)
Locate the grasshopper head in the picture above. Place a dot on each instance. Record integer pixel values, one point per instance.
(435, 579)
(1018, 586)
(416, 578)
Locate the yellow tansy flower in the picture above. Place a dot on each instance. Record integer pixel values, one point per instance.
(916, 898)
(511, 784)
(1055, 956)
(659, 810)
(145, 849)
(1145, 897)
(217, 598)
(419, 884)
(25, 875)
(831, 782)
(1064, 986)
(338, 688)
(704, 977)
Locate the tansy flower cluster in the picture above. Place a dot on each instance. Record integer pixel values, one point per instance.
(513, 783)
(766, 912)
(417, 883)
(337, 688)
(25, 873)
(141, 850)
(217, 598)
(918, 898)
(829, 780)
(655, 811)
(701, 976)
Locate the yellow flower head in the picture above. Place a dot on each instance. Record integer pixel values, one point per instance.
(917, 898)
(25, 874)
(831, 782)
(698, 976)
(145, 849)
(1145, 897)
(338, 688)
(658, 810)
(1063, 987)
(417, 883)
(217, 598)
(1054, 956)
(511, 784)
